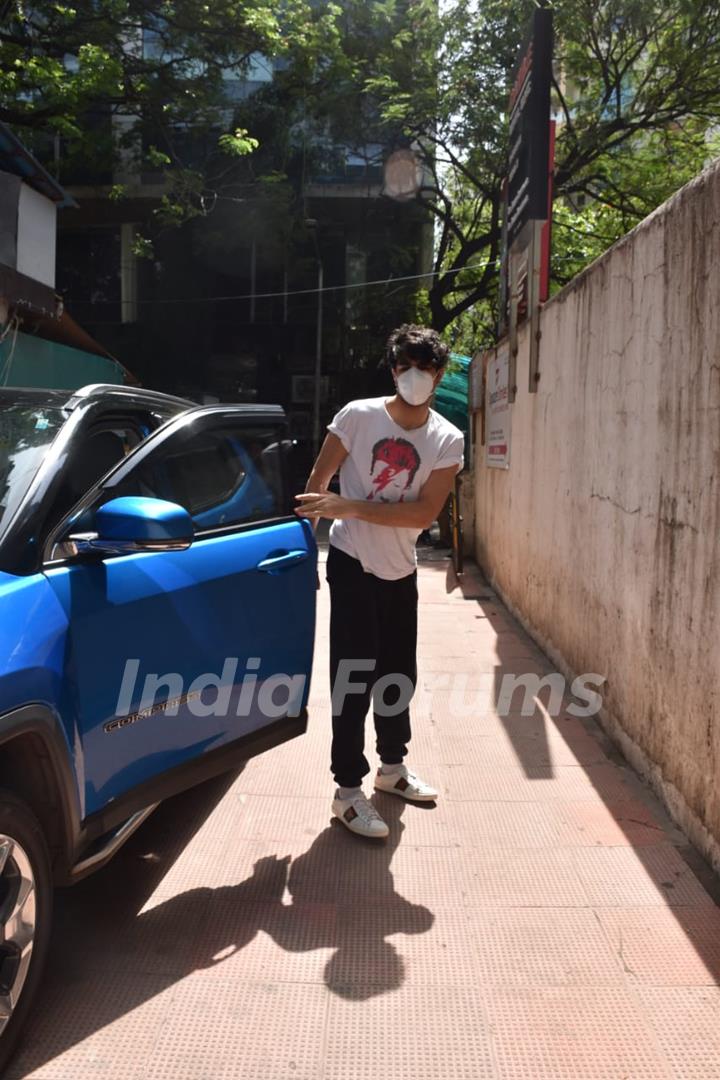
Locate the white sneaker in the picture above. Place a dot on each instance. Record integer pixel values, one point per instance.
(406, 784)
(360, 816)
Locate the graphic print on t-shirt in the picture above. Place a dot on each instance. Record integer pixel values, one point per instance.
(393, 468)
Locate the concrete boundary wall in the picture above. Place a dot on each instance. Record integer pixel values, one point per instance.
(603, 536)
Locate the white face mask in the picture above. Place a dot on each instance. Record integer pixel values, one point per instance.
(415, 386)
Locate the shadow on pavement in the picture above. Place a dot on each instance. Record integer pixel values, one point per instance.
(110, 955)
(625, 816)
(364, 964)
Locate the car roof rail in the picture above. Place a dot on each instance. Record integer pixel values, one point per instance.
(96, 390)
(250, 407)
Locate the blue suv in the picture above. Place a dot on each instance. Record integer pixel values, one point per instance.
(157, 617)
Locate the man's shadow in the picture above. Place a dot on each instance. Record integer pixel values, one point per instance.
(355, 874)
(342, 897)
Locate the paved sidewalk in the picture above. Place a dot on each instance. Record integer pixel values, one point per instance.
(540, 923)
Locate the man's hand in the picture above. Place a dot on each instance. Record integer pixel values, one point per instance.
(324, 504)
(416, 514)
(331, 456)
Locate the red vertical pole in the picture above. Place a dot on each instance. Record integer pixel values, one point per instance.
(546, 238)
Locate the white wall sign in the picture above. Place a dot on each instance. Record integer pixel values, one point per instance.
(497, 439)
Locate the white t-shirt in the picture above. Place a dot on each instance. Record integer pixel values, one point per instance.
(387, 463)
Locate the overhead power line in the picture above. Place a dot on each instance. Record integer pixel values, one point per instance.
(325, 288)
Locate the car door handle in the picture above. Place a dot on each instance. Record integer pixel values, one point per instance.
(282, 560)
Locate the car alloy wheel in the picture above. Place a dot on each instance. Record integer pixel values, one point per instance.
(17, 923)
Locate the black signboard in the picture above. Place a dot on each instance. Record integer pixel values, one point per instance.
(529, 108)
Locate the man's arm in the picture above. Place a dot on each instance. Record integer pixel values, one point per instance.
(331, 456)
(419, 514)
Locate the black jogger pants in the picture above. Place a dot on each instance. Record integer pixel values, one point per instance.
(373, 648)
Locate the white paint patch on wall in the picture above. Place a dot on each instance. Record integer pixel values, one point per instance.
(36, 236)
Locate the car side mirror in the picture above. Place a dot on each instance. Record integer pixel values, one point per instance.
(136, 524)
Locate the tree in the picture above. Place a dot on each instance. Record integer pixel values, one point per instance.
(162, 68)
(637, 86)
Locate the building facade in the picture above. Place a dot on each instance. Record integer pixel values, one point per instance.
(40, 344)
(229, 304)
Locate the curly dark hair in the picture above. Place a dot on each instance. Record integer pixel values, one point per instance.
(420, 343)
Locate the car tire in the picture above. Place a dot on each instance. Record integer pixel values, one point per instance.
(25, 888)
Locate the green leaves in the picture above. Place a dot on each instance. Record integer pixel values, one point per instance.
(142, 247)
(157, 157)
(638, 88)
(238, 143)
(637, 91)
(59, 59)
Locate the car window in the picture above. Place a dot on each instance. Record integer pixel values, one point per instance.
(223, 475)
(92, 456)
(25, 437)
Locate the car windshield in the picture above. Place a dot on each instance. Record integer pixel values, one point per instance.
(25, 435)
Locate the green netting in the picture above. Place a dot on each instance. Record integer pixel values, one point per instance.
(451, 396)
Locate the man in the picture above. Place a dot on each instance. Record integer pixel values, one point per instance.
(397, 460)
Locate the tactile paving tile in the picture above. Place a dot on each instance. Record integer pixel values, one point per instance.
(194, 870)
(459, 618)
(299, 773)
(585, 749)
(431, 876)
(481, 751)
(224, 1030)
(314, 745)
(416, 1033)
(493, 612)
(466, 783)
(664, 946)
(508, 665)
(157, 940)
(293, 820)
(401, 944)
(617, 782)
(620, 876)
(435, 662)
(339, 867)
(207, 834)
(466, 709)
(266, 942)
(625, 824)
(572, 1033)
(517, 656)
(504, 877)
(250, 864)
(458, 644)
(423, 824)
(461, 615)
(686, 1021)
(100, 1025)
(538, 724)
(491, 748)
(504, 824)
(446, 682)
(543, 947)
(421, 748)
